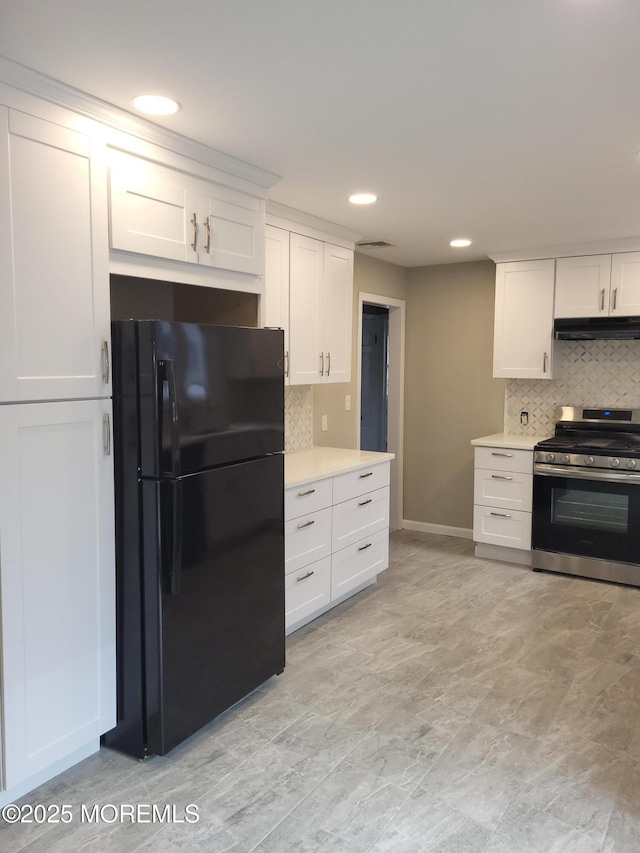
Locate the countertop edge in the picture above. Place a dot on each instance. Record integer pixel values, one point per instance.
(321, 463)
(513, 442)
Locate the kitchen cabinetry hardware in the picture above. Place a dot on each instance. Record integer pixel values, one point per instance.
(364, 503)
(194, 222)
(615, 298)
(306, 492)
(500, 477)
(500, 453)
(501, 514)
(106, 434)
(602, 299)
(105, 362)
(321, 364)
(364, 547)
(328, 364)
(286, 364)
(306, 524)
(304, 577)
(545, 358)
(207, 225)
(368, 474)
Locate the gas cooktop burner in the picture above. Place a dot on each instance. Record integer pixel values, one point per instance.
(598, 437)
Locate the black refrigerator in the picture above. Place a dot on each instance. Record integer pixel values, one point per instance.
(198, 448)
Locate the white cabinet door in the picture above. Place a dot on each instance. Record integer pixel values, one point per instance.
(231, 233)
(625, 284)
(337, 312)
(306, 354)
(151, 209)
(275, 302)
(54, 274)
(58, 581)
(523, 332)
(582, 286)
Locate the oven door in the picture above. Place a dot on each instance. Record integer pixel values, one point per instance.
(587, 512)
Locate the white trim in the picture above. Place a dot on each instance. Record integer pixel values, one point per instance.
(503, 554)
(395, 423)
(438, 529)
(308, 225)
(162, 269)
(32, 82)
(570, 250)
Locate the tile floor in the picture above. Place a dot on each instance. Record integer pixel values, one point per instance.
(457, 705)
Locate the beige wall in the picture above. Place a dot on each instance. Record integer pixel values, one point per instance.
(450, 395)
(370, 275)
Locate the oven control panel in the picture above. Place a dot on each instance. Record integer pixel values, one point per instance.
(582, 460)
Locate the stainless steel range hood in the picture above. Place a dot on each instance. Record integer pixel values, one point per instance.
(597, 328)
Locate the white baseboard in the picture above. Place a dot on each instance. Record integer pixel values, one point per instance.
(439, 529)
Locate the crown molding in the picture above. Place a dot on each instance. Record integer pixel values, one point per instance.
(34, 83)
(569, 250)
(288, 217)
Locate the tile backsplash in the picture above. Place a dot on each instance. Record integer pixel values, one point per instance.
(298, 417)
(588, 373)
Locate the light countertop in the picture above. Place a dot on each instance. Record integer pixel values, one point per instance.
(317, 463)
(505, 439)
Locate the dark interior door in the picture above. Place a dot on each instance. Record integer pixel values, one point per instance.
(215, 593)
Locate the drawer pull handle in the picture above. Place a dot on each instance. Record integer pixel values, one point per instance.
(304, 577)
(364, 503)
(306, 524)
(304, 494)
(501, 514)
(364, 547)
(500, 477)
(496, 453)
(369, 474)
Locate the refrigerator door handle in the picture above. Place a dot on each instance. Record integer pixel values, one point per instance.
(171, 537)
(166, 374)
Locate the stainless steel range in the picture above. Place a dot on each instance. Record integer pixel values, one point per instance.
(586, 495)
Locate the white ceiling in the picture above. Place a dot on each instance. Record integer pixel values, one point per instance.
(515, 123)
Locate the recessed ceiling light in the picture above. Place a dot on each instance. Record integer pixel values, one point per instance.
(155, 105)
(460, 244)
(363, 198)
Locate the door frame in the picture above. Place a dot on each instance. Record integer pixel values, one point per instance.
(395, 401)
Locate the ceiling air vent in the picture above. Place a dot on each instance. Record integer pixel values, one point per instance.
(373, 244)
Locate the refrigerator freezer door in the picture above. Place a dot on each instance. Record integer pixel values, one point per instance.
(209, 395)
(214, 595)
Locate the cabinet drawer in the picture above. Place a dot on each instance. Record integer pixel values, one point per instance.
(355, 483)
(359, 517)
(307, 539)
(301, 500)
(502, 527)
(359, 562)
(500, 489)
(307, 591)
(504, 459)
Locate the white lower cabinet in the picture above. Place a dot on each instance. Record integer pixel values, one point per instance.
(336, 539)
(58, 583)
(503, 487)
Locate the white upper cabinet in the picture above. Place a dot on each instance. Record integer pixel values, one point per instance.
(583, 286)
(598, 285)
(160, 211)
(321, 297)
(337, 312)
(275, 302)
(306, 354)
(54, 275)
(625, 284)
(523, 332)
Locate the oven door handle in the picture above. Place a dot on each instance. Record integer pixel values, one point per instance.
(594, 474)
